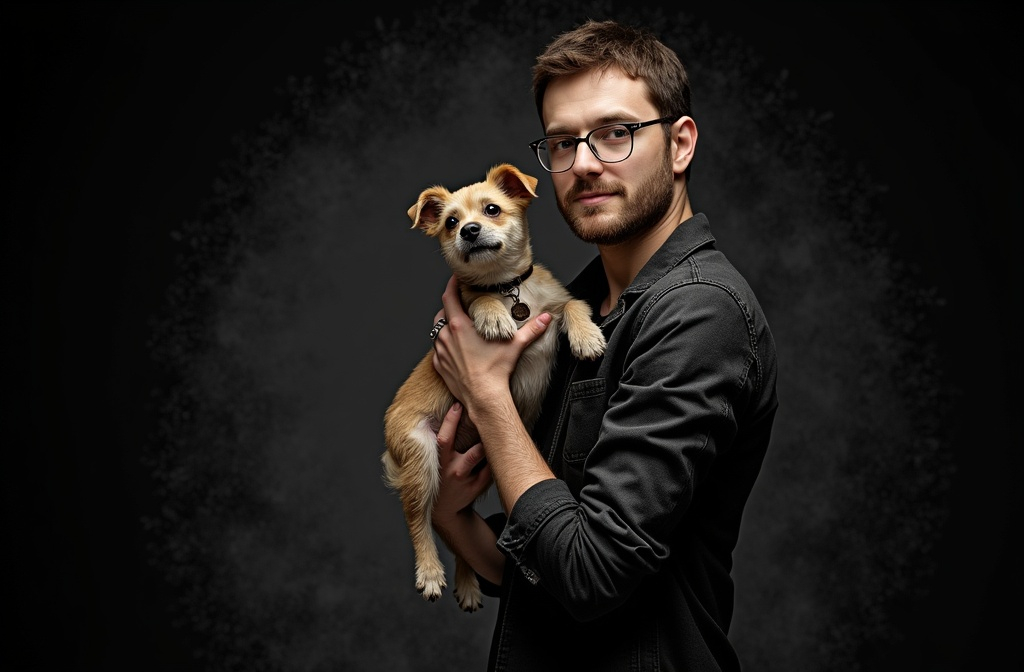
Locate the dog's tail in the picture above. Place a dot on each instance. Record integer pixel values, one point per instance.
(390, 475)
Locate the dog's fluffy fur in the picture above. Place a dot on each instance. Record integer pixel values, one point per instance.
(484, 237)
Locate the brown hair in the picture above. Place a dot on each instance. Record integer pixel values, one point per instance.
(602, 44)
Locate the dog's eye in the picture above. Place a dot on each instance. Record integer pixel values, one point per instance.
(451, 223)
(492, 210)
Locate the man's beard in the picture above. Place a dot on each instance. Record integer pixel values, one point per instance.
(644, 209)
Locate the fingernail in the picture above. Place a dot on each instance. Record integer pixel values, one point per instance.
(544, 318)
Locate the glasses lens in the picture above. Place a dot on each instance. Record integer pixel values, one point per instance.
(611, 143)
(557, 152)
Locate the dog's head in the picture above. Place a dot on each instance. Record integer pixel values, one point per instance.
(482, 227)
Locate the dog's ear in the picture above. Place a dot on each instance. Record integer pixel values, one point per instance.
(425, 213)
(512, 181)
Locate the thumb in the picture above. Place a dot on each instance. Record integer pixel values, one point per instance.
(533, 330)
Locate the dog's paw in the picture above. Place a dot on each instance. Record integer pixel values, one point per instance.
(587, 343)
(430, 584)
(469, 596)
(496, 326)
(467, 587)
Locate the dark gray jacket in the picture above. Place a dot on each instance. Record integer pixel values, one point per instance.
(623, 563)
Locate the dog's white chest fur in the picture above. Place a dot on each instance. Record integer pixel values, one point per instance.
(533, 372)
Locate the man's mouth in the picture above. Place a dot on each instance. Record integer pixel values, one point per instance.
(593, 198)
(591, 194)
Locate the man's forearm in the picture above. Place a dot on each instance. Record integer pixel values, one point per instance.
(515, 462)
(467, 534)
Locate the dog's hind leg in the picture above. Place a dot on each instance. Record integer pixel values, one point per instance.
(467, 588)
(417, 502)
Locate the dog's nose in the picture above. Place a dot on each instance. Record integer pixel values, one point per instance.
(470, 231)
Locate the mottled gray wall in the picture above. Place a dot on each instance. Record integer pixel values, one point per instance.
(299, 299)
(307, 297)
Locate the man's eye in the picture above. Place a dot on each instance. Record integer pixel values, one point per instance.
(612, 134)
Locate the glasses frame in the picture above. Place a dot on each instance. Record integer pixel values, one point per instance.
(632, 127)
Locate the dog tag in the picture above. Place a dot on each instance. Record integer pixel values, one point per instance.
(520, 311)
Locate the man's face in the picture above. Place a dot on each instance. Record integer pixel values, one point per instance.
(608, 203)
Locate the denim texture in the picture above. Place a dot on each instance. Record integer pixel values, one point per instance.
(623, 562)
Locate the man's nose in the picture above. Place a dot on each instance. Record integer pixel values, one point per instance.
(586, 161)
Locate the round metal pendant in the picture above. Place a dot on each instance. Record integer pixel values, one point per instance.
(520, 311)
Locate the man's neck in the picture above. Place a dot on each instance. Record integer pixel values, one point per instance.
(622, 262)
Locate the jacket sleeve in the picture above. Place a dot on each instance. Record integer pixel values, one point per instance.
(669, 416)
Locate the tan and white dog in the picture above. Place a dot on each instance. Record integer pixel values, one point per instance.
(485, 239)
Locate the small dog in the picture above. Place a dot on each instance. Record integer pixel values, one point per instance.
(485, 239)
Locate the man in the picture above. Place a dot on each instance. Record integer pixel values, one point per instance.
(622, 507)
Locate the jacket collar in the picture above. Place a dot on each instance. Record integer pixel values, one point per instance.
(690, 236)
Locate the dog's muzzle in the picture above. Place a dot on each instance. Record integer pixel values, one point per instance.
(437, 328)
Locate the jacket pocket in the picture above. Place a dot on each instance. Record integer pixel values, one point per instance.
(586, 407)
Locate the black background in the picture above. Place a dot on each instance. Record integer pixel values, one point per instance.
(119, 116)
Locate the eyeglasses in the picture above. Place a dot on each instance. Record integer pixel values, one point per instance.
(610, 144)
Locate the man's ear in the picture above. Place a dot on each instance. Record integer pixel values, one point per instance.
(684, 141)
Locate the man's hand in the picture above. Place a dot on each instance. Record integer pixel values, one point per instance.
(464, 476)
(477, 370)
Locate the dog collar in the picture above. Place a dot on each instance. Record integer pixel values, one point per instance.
(520, 311)
(504, 287)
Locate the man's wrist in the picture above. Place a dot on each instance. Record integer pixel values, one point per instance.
(490, 403)
(449, 520)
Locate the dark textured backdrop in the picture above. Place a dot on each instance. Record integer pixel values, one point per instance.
(211, 292)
